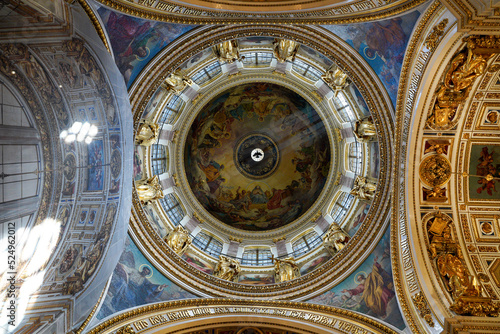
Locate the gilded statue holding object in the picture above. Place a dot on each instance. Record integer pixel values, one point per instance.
(285, 50)
(149, 190)
(147, 134)
(176, 82)
(335, 78)
(285, 269)
(178, 239)
(463, 70)
(227, 269)
(227, 52)
(335, 239)
(365, 130)
(363, 189)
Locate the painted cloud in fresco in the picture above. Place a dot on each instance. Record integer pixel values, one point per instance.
(382, 44)
(136, 41)
(136, 282)
(369, 289)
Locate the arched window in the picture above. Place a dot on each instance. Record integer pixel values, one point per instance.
(257, 257)
(257, 59)
(208, 244)
(306, 243)
(171, 109)
(172, 208)
(158, 159)
(341, 207)
(207, 73)
(344, 108)
(355, 157)
(306, 70)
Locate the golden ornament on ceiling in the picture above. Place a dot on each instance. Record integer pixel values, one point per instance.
(435, 171)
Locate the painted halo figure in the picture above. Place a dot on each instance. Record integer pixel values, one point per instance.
(178, 239)
(285, 269)
(227, 269)
(335, 239)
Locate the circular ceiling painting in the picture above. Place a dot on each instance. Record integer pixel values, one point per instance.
(257, 156)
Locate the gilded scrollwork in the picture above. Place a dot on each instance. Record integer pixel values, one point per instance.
(227, 268)
(432, 40)
(435, 194)
(128, 329)
(421, 304)
(147, 133)
(227, 52)
(285, 49)
(178, 239)
(285, 269)
(335, 239)
(335, 78)
(149, 190)
(462, 71)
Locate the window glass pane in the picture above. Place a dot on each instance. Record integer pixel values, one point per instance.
(257, 59)
(171, 109)
(172, 208)
(207, 73)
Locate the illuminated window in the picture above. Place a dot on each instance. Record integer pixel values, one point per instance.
(172, 208)
(207, 73)
(158, 159)
(257, 59)
(344, 108)
(257, 257)
(341, 207)
(208, 244)
(355, 157)
(171, 109)
(306, 243)
(306, 70)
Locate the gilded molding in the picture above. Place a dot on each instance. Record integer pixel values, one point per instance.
(95, 22)
(312, 283)
(422, 305)
(150, 316)
(172, 12)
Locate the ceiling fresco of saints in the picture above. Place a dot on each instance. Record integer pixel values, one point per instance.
(257, 156)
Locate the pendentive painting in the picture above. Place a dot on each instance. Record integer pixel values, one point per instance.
(136, 282)
(369, 289)
(257, 156)
(484, 172)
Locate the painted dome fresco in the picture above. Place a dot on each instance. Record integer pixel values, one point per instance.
(257, 156)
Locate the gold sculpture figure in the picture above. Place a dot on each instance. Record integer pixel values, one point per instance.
(227, 268)
(178, 239)
(176, 82)
(227, 51)
(285, 269)
(365, 130)
(435, 194)
(335, 239)
(465, 67)
(285, 49)
(441, 237)
(149, 190)
(459, 283)
(335, 78)
(147, 134)
(363, 189)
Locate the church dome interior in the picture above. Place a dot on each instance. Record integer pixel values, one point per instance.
(249, 167)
